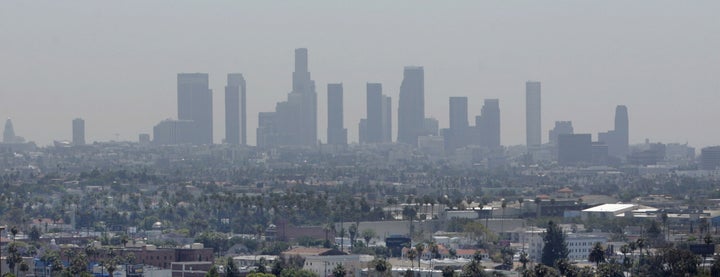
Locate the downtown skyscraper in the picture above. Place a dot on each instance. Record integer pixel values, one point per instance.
(617, 140)
(195, 105)
(235, 110)
(533, 128)
(411, 106)
(294, 122)
(376, 127)
(336, 132)
(78, 131)
(488, 123)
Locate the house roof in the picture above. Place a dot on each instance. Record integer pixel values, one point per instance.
(609, 208)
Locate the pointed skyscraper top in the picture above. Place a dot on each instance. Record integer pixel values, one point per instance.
(9, 132)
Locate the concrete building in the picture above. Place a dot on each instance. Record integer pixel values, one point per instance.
(710, 158)
(533, 128)
(336, 132)
(561, 128)
(617, 139)
(195, 105)
(387, 119)
(411, 105)
(294, 121)
(488, 124)
(324, 265)
(575, 149)
(78, 131)
(170, 132)
(235, 110)
(373, 113)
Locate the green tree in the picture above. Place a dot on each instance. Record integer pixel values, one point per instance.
(339, 271)
(448, 271)
(213, 272)
(715, 269)
(474, 268)
(610, 270)
(555, 246)
(231, 269)
(381, 266)
(34, 234)
(411, 255)
(367, 235)
(420, 247)
(597, 254)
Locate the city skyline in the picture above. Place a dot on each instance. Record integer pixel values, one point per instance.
(630, 55)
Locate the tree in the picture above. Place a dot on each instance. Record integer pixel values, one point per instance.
(339, 271)
(34, 234)
(448, 271)
(353, 232)
(420, 247)
(231, 269)
(610, 270)
(715, 269)
(213, 272)
(597, 254)
(367, 235)
(411, 255)
(555, 246)
(474, 268)
(381, 266)
(24, 268)
(524, 259)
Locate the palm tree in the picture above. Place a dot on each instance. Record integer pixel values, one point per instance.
(597, 254)
(411, 255)
(420, 248)
(538, 201)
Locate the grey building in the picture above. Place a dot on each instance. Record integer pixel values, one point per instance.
(561, 128)
(78, 131)
(411, 105)
(336, 132)
(195, 105)
(235, 110)
(710, 158)
(488, 124)
(294, 121)
(374, 112)
(575, 149)
(617, 140)
(171, 132)
(533, 128)
(457, 135)
(387, 119)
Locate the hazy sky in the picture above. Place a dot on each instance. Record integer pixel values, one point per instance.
(114, 63)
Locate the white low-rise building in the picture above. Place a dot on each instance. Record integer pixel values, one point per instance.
(324, 265)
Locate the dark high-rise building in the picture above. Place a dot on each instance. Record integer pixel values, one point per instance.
(170, 132)
(294, 120)
(561, 128)
(622, 131)
(235, 112)
(78, 131)
(9, 133)
(617, 140)
(458, 135)
(374, 113)
(362, 131)
(459, 113)
(195, 104)
(336, 132)
(488, 123)
(387, 119)
(575, 149)
(710, 158)
(411, 105)
(533, 128)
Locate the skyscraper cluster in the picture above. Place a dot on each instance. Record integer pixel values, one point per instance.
(194, 123)
(294, 121)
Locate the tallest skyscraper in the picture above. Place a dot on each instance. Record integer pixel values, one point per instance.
(294, 121)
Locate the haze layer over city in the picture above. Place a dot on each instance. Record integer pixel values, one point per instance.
(115, 64)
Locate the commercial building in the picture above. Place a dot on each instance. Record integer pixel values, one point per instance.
(411, 105)
(195, 105)
(336, 132)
